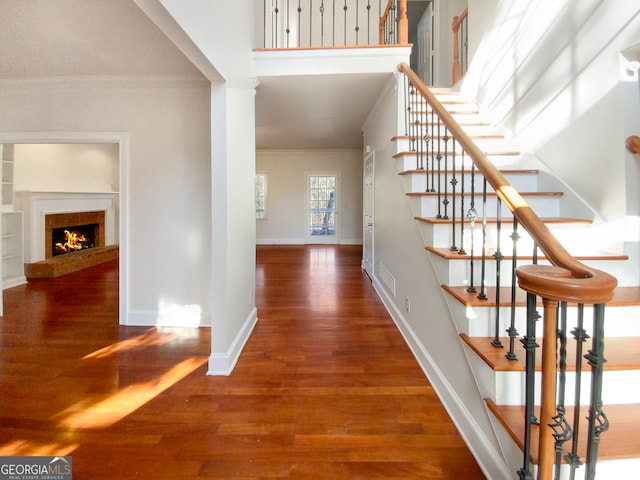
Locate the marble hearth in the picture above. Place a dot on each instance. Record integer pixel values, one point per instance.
(37, 206)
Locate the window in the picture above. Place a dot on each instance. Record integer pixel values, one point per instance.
(261, 196)
(322, 201)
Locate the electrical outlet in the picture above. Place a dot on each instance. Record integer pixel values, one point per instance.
(407, 304)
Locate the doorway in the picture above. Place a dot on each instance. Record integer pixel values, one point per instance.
(121, 143)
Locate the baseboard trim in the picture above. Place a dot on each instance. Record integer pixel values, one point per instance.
(223, 363)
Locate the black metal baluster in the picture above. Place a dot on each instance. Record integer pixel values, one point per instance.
(407, 106)
(423, 143)
(561, 429)
(299, 22)
(428, 143)
(357, 20)
(483, 259)
(580, 336)
(472, 215)
(412, 133)
(418, 132)
(274, 29)
(454, 183)
(530, 345)
(598, 422)
(333, 39)
(498, 257)
(462, 251)
(310, 23)
(445, 182)
(288, 30)
(379, 16)
(433, 148)
(345, 8)
(322, 23)
(512, 331)
(368, 22)
(439, 158)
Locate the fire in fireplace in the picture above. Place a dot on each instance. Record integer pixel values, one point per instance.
(73, 239)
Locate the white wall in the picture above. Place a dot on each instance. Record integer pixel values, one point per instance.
(550, 73)
(167, 230)
(63, 167)
(286, 192)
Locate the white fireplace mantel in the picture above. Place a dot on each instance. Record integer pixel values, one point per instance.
(36, 205)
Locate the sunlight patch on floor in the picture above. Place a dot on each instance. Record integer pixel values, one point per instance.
(99, 411)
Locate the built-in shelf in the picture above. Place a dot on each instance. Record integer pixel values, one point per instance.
(12, 225)
(12, 250)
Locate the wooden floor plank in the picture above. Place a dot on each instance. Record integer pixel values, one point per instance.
(325, 387)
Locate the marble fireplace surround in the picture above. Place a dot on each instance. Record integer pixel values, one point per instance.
(37, 205)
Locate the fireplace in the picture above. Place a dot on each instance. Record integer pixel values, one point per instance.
(72, 239)
(44, 211)
(73, 232)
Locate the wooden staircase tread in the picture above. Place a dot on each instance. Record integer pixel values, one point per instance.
(620, 441)
(482, 136)
(622, 296)
(622, 353)
(488, 153)
(504, 171)
(473, 110)
(449, 254)
(463, 123)
(449, 221)
(490, 194)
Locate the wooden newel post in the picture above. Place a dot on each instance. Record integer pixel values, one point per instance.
(455, 26)
(546, 445)
(403, 24)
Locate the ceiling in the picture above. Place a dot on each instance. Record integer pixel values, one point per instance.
(58, 38)
(315, 111)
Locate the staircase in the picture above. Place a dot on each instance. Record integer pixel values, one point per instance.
(484, 323)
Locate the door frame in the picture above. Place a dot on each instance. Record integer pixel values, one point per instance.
(368, 213)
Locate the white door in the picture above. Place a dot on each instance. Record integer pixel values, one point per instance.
(322, 208)
(368, 217)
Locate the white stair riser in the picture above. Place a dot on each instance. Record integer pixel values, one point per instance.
(408, 161)
(418, 182)
(620, 321)
(433, 144)
(458, 272)
(508, 388)
(441, 235)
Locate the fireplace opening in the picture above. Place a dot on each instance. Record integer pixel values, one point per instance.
(73, 239)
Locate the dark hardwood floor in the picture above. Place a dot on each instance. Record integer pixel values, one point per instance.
(325, 387)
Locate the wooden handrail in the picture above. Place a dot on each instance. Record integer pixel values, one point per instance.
(455, 26)
(567, 280)
(403, 22)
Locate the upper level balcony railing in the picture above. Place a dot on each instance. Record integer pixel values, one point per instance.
(334, 23)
